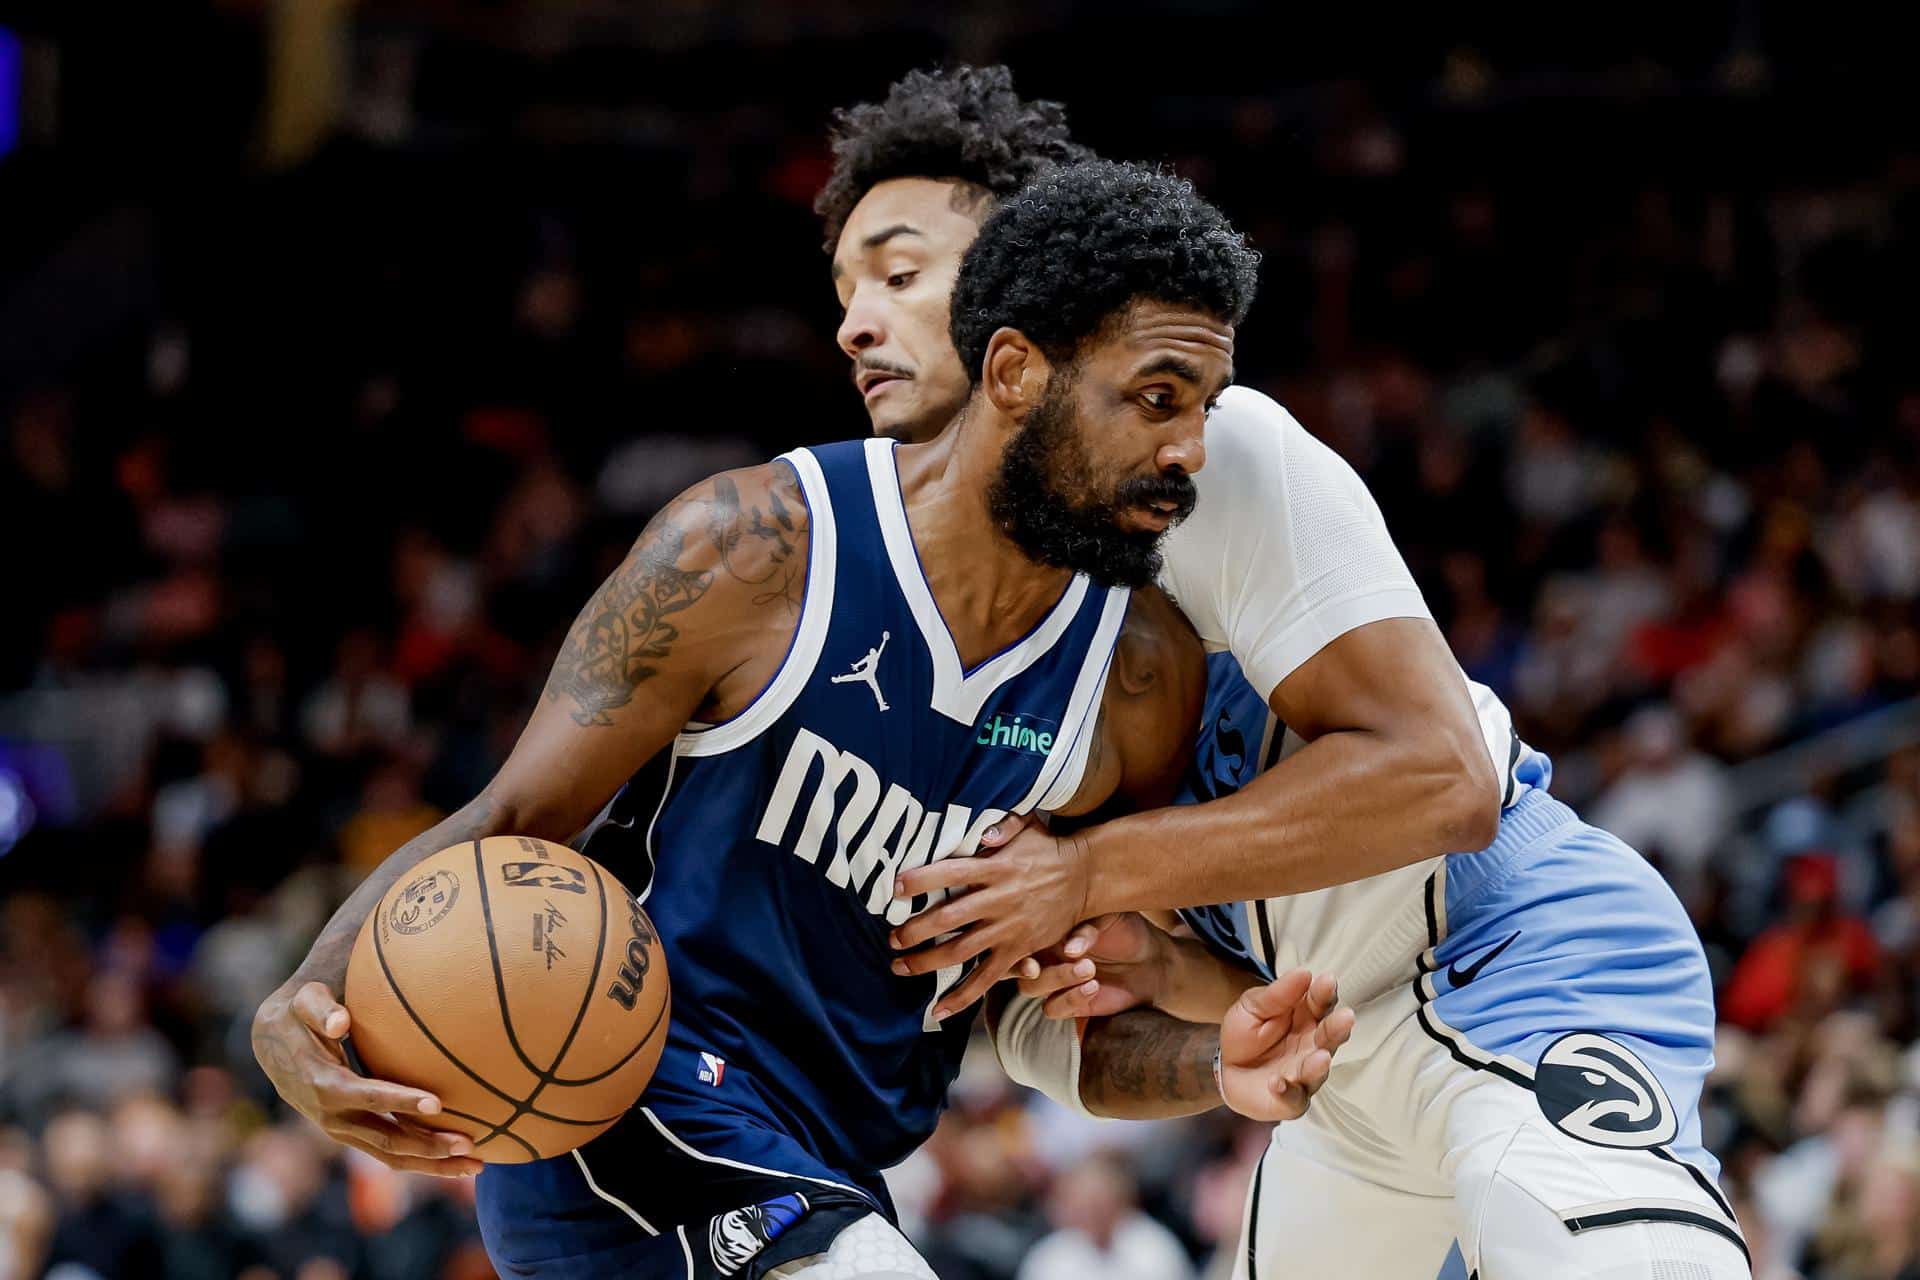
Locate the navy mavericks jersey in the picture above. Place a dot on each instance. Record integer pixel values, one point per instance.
(768, 868)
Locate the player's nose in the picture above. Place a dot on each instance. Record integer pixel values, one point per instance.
(861, 328)
(1185, 452)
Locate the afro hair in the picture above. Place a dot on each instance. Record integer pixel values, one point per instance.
(965, 124)
(1066, 255)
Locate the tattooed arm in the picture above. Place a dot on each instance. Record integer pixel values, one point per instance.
(1146, 1065)
(693, 623)
(1274, 1046)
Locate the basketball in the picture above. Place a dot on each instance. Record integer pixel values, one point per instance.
(521, 984)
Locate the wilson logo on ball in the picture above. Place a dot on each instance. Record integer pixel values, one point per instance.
(1598, 1091)
(633, 973)
(424, 902)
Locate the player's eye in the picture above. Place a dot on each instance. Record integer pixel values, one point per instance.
(901, 279)
(1160, 401)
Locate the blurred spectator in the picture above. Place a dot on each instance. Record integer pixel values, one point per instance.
(359, 707)
(1100, 1231)
(113, 1054)
(1809, 964)
(391, 813)
(1671, 802)
(1889, 1247)
(200, 1240)
(282, 1196)
(98, 1233)
(26, 1225)
(414, 1225)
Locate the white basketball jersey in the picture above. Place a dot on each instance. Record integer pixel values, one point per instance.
(1285, 552)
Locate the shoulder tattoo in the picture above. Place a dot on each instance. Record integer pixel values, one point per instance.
(627, 628)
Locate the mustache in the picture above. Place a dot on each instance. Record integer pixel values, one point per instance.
(1168, 486)
(867, 364)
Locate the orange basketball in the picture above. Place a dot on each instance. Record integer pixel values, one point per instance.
(521, 984)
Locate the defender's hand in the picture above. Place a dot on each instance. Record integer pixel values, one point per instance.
(1277, 1045)
(1121, 965)
(1018, 899)
(296, 1038)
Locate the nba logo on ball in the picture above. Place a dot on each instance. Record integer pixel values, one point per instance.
(713, 1069)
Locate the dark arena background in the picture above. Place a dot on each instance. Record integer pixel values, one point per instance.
(344, 347)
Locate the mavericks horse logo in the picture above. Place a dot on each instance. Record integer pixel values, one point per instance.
(735, 1238)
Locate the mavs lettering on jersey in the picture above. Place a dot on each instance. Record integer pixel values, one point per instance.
(903, 835)
(768, 867)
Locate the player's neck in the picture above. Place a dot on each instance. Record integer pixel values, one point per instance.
(988, 590)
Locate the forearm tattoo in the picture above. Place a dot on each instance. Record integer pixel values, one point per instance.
(1143, 1062)
(627, 627)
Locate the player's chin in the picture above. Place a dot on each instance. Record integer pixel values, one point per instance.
(908, 414)
(896, 422)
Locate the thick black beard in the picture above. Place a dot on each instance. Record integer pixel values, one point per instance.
(1042, 499)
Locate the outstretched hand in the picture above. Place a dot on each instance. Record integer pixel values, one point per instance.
(1277, 1044)
(297, 1039)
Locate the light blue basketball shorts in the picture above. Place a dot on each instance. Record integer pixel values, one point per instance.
(1547, 1048)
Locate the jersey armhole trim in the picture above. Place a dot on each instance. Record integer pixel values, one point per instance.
(1061, 775)
(803, 653)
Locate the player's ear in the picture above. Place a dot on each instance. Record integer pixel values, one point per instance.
(1013, 373)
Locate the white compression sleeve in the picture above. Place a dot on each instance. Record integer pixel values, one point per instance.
(1040, 1052)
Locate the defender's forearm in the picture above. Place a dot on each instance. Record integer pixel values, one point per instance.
(326, 960)
(1145, 1065)
(1198, 985)
(1346, 806)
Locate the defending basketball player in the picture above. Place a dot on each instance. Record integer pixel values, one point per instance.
(1536, 1017)
(862, 657)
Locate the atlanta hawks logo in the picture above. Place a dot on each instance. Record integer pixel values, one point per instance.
(1598, 1091)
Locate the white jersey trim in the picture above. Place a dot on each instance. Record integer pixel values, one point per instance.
(1082, 713)
(957, 693)
(686, 1250)
(816, 612)
(611, 1199)
(742, 1165)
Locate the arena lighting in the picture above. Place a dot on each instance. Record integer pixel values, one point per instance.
(9, 91)
(16, 810)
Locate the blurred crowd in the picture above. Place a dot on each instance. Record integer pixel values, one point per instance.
(293, 530)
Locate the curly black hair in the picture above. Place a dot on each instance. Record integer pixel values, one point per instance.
(1071, 251)
(965, 124)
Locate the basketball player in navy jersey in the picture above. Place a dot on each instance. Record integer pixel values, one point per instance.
(861, 657)
(1537, 1019)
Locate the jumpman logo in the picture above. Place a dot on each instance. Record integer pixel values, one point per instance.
(866, 671)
